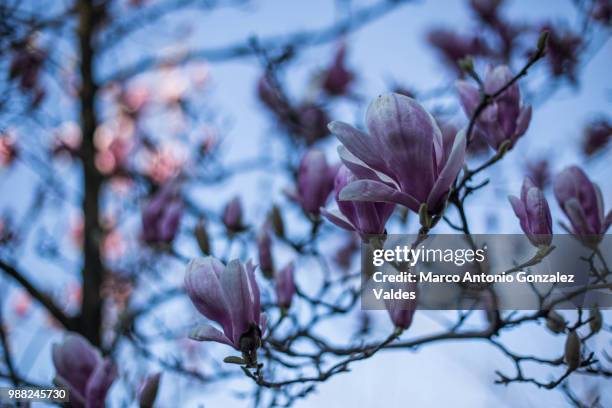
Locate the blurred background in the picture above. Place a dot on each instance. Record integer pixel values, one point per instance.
(179, 90)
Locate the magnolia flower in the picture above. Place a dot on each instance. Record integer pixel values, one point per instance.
(285, 286)
(404, 158)
(229, 296)
(582, 202)
(315, 182)
(80, 368)
(337, 79)
(232, 215)
(362, 217)
(161, 216)
(506, 118)
(533, 212)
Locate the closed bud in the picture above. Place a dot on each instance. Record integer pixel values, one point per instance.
(148, 392)
(276, 219)
(582, 202)
(232, 216)
(555, 322)
(234, 360)
(202, 237)
(264, 247)
(533, 212)
(466, 64)
(424, 216)
(572, 350)
(596, 320)
(542, 40)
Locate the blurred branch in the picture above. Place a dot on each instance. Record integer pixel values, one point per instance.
(68, 322)
(7, 351)
(152, 14)
(245, 49)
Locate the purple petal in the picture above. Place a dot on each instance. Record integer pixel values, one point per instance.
(250, 270)
(99, 384)
(206, 332)
(522, 123)
(356, 166)
(370, 190)
(364, 147)
(204, 288)
(411, 139)
(449, 173)
(337, 218)
(538, 213)
(577, 217)
(528, 184)
(469, 96)
(239, 293)
(75, 360)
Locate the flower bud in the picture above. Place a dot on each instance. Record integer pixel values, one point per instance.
(315, 181)
(533, 213)
(285, 286)
(202, 237)
(596, 320)
(232, 215)
(582, 202)
(276, 220)
(148, 392)
(161, 215)
(555, 322)
(506, 118)
(572, 350)
(264, 247)
(337, 79)
(81, 369)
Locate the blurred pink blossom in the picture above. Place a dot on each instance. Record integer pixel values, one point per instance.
(8, 149)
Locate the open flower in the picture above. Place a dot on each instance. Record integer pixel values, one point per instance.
(315, 182)
(362, 217)
(161, 216)
(229, 296)
(582, 202)
(506, 118)
(404, 158)
(80, 368)
(533, 213)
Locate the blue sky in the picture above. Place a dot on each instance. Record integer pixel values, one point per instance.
(457, 374)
